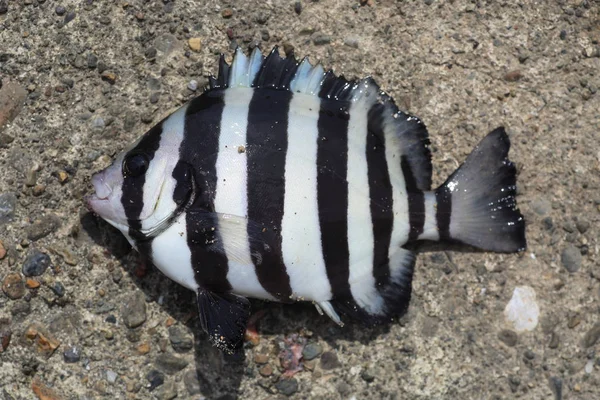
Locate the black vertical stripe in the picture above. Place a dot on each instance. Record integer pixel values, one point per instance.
(381, 195)
(332, 195)
(200, 148)
(443, 198)
(266, 150)
(416, 201)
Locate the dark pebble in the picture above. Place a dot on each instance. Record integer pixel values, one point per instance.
(58, 289)
(36, 263)
(556, 387)
(60, 10)
(321, 39)
(69, 17)
(329, 360)
(170, 364)
(191, 382)
(583, 226)
(367, 375)
(563, 35)
(150, 53)
(529, 354)
(298, 7)
(508, 337)
(428, 2)
(111, 319)
(92, 61)
(591, 336)
(312, 351)
(8, 202)
(72, 355)
(3, 7)
(287, 387)
(5, 333)
(154, 97)
(181, 340)
(134, 310)
(571, 258)
(155, 378)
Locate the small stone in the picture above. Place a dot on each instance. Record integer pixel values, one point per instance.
(143, 348)
(193, 85)
(151, 53)
(428, 2)
(72, 355)
(191, 382)
(12, 99)
(98, 123)
(69, 17)
(266, 370)
(298, 7)
(111, 376)
(329, 360)
(513, 76)
(591, 336)
(287, 387)
(563, 35)
(154, 97)
(60, 10)
(13, 286)
(109, 77)
(351, 42)
(8, 203)
(36, 263)
(42, 391)
(321, 39)
(522, 311)
(38, 190)
(5, 334)
(134, 310)
(554, 340)
(42, 227)
(58, 289)
(2, 250)
(261, 358)
(311, 351)
(571, 258)
(556, 387)
(167, 392)
(181, 340)
(227, 13)
(155, 378)
(140, 16)
(367, 375)
(508, 337)
(170, 364)
(195, 44)
(3, 7)
(583, 226)
(45, 343)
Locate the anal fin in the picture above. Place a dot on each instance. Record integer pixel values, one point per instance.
(223, 316)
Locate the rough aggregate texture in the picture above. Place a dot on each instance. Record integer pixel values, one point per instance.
(82, 79)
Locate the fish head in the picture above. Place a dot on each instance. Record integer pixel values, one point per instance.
(146, 186)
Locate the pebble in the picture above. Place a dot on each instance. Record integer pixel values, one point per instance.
(5, 334)
(45, 343)
(508, 337)
(8, 203)
(170, 364)
(513, 76)
(261, 358)
(191, 382)
(36, 263)
(193, 85)
(13, 286)
(522, 311)
(321, 39)
(571, 258)
(98, 123)
(329, 360)
(227, 13)
(167, 392)
(155, 378)
(266, 370)
(60, 10)
(72, 355)
(287, 387)
(195, 44)
(111, 376)
(583, 226)
(42, 227)
(44, 392)
(591, 336)
(69, 17)
(312, 351)
(109, 77)
(2, 250)
(134, 310)
(3, 7)
(563, 35)
(12, 99)
(58, 289)
(367, 375)
(181, 340)
(351, 42)
(556, 387)
(298, 7)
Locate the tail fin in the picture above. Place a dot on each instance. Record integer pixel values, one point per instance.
(476, 205)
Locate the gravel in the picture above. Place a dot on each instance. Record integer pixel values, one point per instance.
(571, 258)
(36, 263)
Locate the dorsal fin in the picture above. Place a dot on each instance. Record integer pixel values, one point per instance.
(279, 73)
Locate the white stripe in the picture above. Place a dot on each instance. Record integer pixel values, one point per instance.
(430, 228)
(360, 226)
(231, 201)
(300, 228)
(171, 254)
(160, 184)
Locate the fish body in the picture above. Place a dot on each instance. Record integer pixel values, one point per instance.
(287, 183)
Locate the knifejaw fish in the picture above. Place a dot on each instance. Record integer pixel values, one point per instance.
(287, 183)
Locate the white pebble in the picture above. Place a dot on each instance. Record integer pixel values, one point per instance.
(193, 85)
(589, 367)
(522, 311)
(111, 376)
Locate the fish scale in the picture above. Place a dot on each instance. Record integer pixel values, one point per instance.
(285, 182)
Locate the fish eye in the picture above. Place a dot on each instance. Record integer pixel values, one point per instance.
(135, 164)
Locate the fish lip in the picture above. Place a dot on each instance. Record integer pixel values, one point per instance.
(102, 191)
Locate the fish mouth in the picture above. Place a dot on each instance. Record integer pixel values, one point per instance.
(100, 198)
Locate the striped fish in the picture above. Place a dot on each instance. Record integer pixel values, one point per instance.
(285, 182)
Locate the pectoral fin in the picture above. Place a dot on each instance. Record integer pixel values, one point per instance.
(223, 316)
